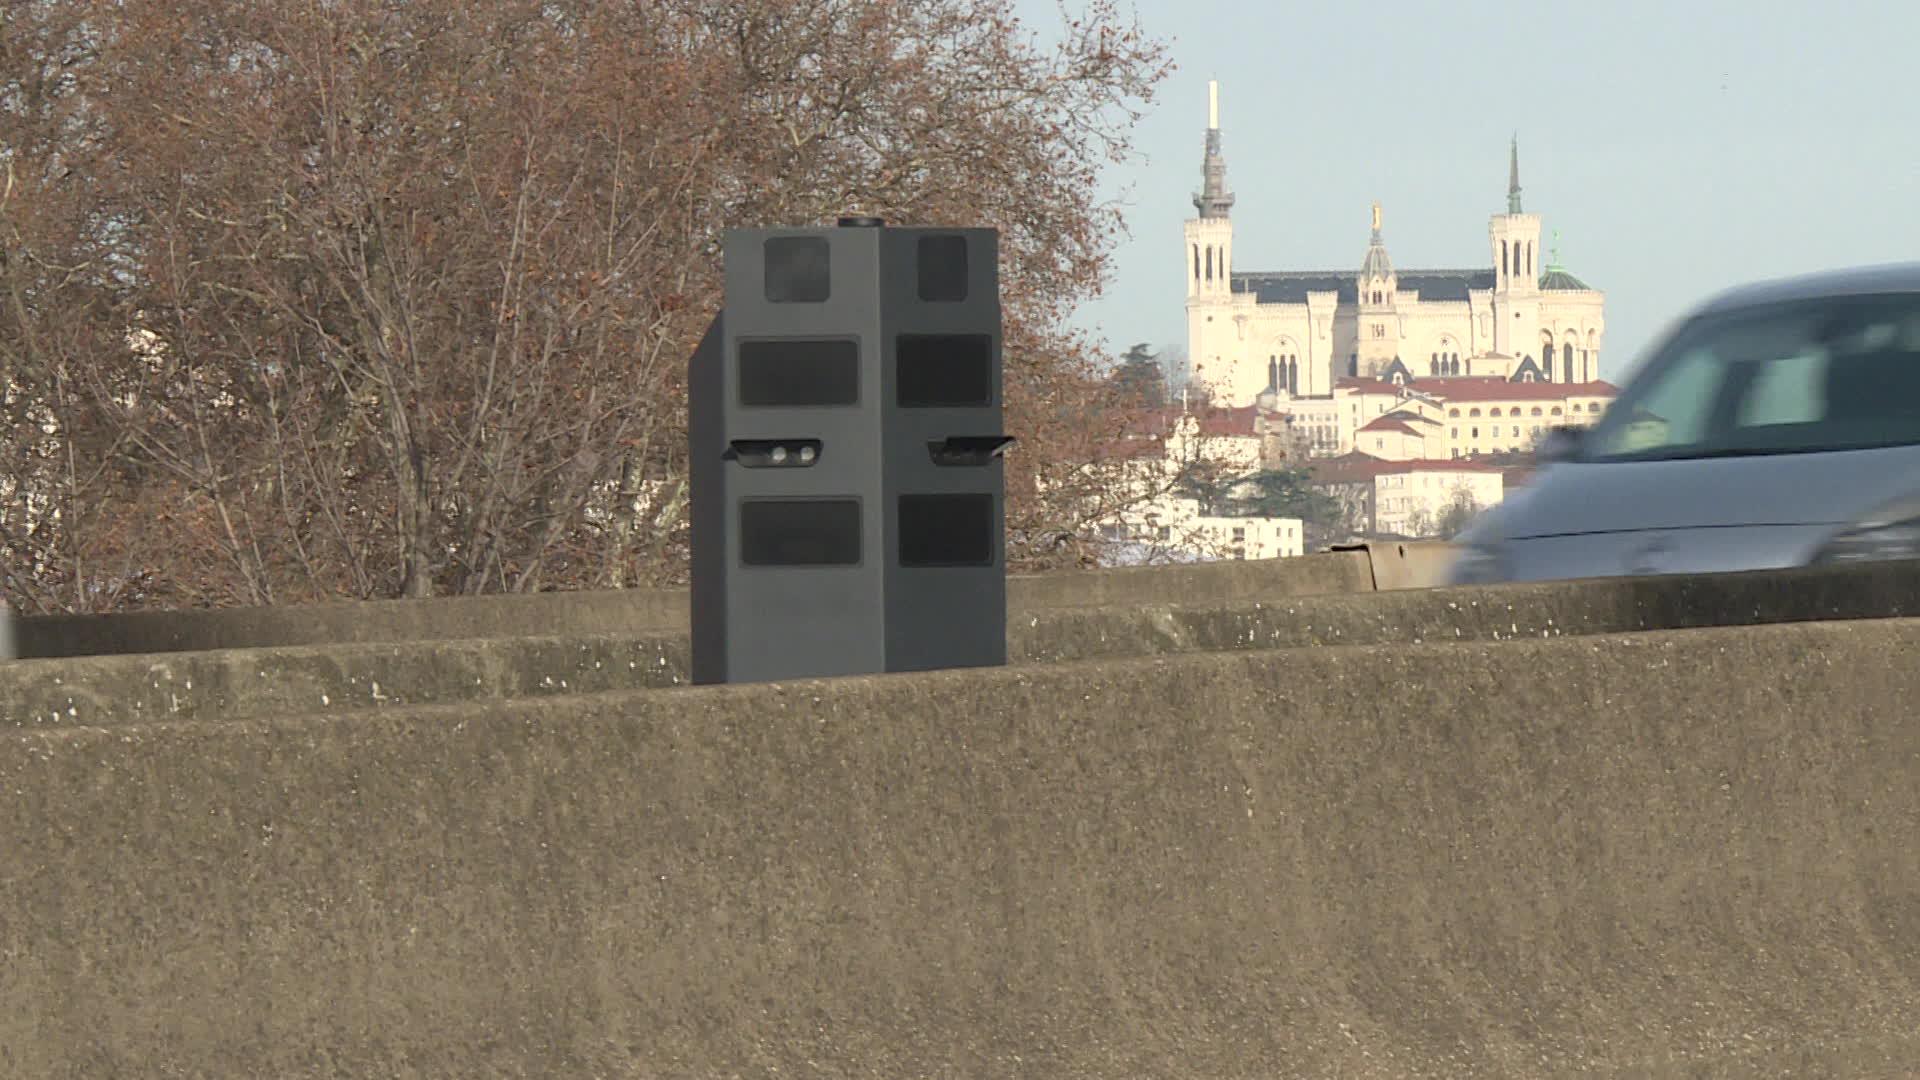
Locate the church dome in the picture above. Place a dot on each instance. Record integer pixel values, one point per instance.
(1558, 280)
(1376, 265)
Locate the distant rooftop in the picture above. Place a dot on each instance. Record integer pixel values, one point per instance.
(1358, 467)
(1216, 421)
(1390, 423)
(1476, 388)
(1292, 286)
(1498, 389)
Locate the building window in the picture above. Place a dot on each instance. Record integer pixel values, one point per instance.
(1495, 413)
(1456, 433)
(1379, 330)
(1555, 410)
(1476, 433)
(1473, 412)
(1536, 410)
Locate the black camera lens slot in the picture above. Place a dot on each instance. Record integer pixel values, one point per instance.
(774, 453)
(968, 450)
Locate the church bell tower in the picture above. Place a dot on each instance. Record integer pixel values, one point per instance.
(1379, 318)
(1211, 347)
(1514, 238)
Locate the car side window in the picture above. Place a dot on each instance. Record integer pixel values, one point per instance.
(1675, 411)
(1788, 390)
(1833, 373)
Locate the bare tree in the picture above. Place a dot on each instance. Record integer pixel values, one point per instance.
(366, 299)
(1460, 510)
(65, 540)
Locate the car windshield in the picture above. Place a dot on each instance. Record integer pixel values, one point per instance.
(1839, 373)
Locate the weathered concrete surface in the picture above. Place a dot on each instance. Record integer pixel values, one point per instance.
(267, 682)
(1542, 610)
(611, 612)
(240, 683)
(632, 611)
(1670, 854)
(1330, 573)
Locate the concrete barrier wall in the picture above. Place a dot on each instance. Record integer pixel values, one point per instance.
(624, 611)
(631, 611)
(102, 690)
(1508, 612)
(1664, 854)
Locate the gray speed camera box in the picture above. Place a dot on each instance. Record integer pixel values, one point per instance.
(845, 438)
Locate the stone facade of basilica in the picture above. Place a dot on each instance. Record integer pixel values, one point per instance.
(1294, 334)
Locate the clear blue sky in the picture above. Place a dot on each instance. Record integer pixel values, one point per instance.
(1678, 146)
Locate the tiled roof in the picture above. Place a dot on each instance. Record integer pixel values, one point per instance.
(1292, 286)
(1479, 388)
(1361, 468)
(1498, 389)
(1215, 422)
(1346, 469)
(1431, 465)
(1390, 423)
(1230, 422)
(1365, 385)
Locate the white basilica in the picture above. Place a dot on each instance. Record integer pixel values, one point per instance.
(1292, 334)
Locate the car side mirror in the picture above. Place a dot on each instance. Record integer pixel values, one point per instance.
(1559, 444)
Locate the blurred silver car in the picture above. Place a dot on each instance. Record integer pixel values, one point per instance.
(1777, 425)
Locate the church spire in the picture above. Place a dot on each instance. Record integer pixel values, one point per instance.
(1513, 176)
(1213, 199)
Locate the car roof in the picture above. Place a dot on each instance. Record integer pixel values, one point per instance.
(1851, 281)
